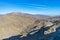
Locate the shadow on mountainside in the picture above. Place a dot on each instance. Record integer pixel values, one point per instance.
(55, 35)
(39, 35)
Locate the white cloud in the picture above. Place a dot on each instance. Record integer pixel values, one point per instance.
(38, 6)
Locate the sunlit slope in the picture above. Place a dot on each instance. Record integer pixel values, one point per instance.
(14, 24)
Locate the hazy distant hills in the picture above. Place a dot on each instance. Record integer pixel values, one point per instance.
(35, 16)
(23, 26)
(43, 16)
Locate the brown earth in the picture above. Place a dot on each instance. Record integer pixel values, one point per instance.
(21, 24)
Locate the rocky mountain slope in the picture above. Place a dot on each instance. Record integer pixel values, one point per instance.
(20, 26)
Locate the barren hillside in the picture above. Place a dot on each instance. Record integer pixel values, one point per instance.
(27, 26)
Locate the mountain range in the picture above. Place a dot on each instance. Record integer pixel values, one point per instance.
(23, 26)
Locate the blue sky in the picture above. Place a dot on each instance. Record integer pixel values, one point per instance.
(45, 7)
